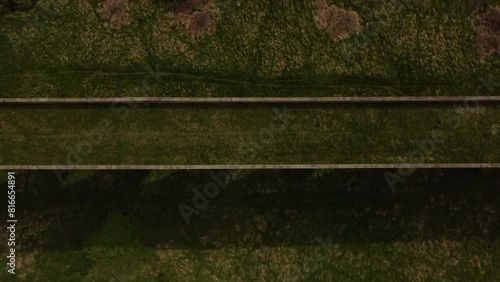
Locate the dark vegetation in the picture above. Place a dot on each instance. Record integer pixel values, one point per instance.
(95, 216)
(452, 203)
(8, 6)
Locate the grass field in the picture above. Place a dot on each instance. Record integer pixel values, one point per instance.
(249, 134)
(258, 48)
(265, 225)
(440, 225)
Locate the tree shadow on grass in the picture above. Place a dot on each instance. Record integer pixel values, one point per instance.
(260, 208)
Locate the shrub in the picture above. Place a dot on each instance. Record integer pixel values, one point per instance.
(488, 31)
(115, 13)
(339, 23)
(197, 16)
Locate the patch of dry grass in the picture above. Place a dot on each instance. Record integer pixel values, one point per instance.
(26, 263)
(115, 13)
(488, 31)
(199, 17)
(339, 23)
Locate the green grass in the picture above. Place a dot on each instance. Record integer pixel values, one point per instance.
(242, 134)
(260, 48)
(400, 261)
(432, 260)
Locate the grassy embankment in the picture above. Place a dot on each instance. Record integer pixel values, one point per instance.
(258, 48)
(248, 134)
